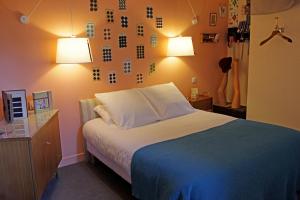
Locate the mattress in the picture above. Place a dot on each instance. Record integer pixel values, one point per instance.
(119, 145)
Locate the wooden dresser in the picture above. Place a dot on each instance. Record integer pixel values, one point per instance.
(30, 153)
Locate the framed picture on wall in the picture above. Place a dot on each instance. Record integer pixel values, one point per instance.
(212, 19)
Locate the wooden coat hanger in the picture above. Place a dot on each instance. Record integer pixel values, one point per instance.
(277, 31)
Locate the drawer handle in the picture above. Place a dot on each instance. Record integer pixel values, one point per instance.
(48, 143)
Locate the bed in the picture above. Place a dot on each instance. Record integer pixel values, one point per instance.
(200, 155)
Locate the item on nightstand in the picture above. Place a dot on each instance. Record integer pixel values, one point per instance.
(194, 93)
(42, 101)
(2, 131)
(14, 104)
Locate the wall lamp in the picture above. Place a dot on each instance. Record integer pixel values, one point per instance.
(180, 46)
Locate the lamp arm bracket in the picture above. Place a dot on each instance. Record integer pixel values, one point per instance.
(24, 19)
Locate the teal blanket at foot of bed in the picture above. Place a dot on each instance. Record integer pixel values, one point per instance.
(241, 160)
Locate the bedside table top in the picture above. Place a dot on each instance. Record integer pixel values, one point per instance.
(200, 98)
(202, 103)
(27, 127)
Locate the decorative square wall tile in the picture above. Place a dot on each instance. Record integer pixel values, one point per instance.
(124, 22)
(122, 41)
(140, 50)
(153, 40)
(140, 29)
(110, 16)
(93, 5)
(149, 13)
(122, 4)
(96, 74)
(127, 67)
(139, 78)
(159, 22)
(90, 30)
(152, 68)
(112, 78)
(107, 54)
(107, 34)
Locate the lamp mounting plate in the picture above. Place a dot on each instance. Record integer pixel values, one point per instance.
(24, 19)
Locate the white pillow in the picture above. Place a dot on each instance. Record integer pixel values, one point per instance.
(128, 108)
(167, 100)
(100, 110)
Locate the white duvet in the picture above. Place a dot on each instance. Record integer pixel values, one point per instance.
(119, 145)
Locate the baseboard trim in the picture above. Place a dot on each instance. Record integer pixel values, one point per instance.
(73, 159)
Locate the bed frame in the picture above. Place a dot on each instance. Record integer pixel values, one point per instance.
(87, 114)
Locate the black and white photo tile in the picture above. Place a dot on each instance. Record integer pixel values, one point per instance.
(159, 22)
(90, 30)
(149, 12)
(127, 66)
(139, 78)
(140, 51)
(152, 68)
(140, 29)
(107, 54)
(109, 16)
(153, 40)
(93, 5)
(107, 34)
(122, 4)
(112, 77)
(96, 74)
(124, 21)
(122, 40)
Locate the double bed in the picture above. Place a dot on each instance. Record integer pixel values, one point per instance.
(200, 155)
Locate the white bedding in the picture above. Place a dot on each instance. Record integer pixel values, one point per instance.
(119, 145)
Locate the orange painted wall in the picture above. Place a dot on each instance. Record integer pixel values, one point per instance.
(27, 52)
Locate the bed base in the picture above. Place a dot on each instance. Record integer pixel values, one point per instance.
(108, 162)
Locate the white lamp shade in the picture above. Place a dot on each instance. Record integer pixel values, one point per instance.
(73, 51)
(180, 46)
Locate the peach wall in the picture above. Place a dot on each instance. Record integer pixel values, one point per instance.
(27, 52)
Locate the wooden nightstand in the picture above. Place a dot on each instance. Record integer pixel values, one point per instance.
(202, 103)
(234, 112)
